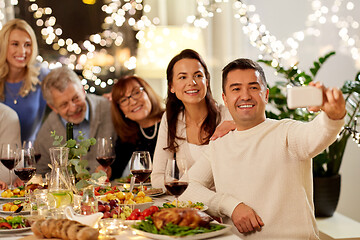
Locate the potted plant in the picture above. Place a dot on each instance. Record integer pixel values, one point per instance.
(326, 165)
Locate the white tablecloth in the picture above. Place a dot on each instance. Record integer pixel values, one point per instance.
(126, 234)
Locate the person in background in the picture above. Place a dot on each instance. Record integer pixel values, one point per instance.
(192, 114)
(136, 112)
(21, 76)
(66, 96)
(263, 170)
(9, 133)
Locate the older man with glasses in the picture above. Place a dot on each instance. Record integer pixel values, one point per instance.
(89, 113)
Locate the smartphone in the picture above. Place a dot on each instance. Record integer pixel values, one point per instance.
(306, 96)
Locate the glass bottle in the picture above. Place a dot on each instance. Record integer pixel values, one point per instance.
(70, 136)
(60, 185)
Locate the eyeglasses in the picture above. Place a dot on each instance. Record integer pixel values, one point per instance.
(135, 94)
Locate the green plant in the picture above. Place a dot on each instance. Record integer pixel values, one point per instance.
(77, 165)
(329, 161)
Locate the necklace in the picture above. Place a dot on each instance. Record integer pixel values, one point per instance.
(149, 137)
(14, 96)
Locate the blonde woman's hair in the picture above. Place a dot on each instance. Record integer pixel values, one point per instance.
(32, 71)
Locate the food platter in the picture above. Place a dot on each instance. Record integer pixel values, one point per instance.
(17, 230)
(156, 192)
(10, 212)
(10, 198)
(190, 237)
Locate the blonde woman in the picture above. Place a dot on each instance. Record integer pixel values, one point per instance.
(20, 76)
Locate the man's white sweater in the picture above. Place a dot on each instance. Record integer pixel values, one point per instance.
(269, 168)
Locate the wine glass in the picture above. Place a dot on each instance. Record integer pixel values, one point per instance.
(30, 144)
(141, 166)
(176, 178)
(7, 158)
(105, 154)
(25, 168)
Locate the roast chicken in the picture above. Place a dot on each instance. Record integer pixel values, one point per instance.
(181, 216)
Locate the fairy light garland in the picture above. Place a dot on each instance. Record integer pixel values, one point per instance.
(76, 54)
(268, 44)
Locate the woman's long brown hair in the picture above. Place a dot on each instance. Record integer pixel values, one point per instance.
(174, 106)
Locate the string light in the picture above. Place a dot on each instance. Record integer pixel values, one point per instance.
(77, 55)
(276, 49)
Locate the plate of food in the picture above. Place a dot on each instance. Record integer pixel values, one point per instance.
(15, 224)
(186, 204)
(127, 179)
(13, 194)
(11, 207)
(154, 192)
(160, 226)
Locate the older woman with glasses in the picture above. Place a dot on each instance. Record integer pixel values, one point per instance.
(136, 114)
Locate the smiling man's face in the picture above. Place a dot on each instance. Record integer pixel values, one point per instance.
(246, 97)
(69, 104)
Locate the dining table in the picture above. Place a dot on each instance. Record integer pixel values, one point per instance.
(125, 233)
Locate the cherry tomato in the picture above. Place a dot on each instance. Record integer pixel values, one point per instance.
(146, 212)
(141, 218)
(153, 209)
(131, 217)
(136, 210)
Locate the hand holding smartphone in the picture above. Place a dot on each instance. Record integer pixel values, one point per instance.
(305, 96)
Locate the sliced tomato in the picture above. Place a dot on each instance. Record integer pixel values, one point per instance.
(5, 225)
(153, 209)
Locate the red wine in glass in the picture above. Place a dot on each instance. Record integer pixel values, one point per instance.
(141, 175)
(8, 162)
(176, 177)
(141, 166)
(25, 174)
(105, 161)
(176, 188)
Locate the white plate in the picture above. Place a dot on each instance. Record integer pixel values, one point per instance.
(190, 237)
(10, 212)
(15, 230)
(135, 184)
(130, 222)
(156, 194)
(12, 198)
(141, 206)
(203, 209)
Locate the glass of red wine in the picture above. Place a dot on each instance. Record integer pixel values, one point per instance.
(25, 168)
(141, 166)
(8, 158)
(176, 178)
(105, 152)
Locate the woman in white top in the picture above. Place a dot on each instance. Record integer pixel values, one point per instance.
(192, 114)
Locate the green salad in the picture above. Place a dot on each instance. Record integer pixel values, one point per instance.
(13, 222)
